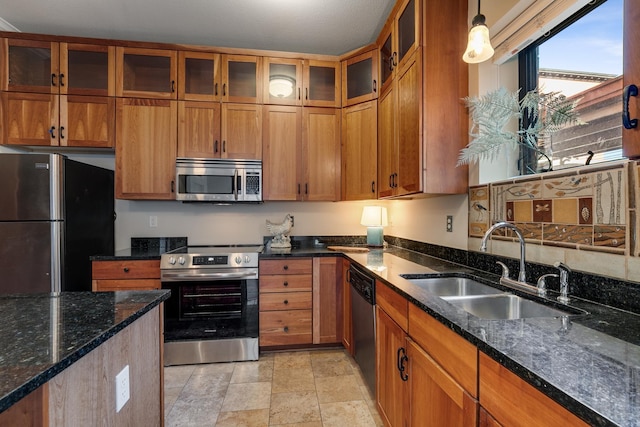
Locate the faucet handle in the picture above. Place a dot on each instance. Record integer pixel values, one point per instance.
(562, 266)
(505, 269)
(542, 283)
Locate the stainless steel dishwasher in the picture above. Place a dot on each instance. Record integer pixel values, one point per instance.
(363, 299)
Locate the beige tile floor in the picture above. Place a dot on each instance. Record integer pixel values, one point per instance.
(320, 388)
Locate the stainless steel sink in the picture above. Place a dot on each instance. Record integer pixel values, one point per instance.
(452, 286)
(506, 306)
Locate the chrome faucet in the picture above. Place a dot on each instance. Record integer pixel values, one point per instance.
(522, 275)
(564, 281)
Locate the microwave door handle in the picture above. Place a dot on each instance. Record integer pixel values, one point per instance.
(235, 184)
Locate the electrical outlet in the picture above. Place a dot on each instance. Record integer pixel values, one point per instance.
(122, 388)
(153, 221)
(449, 223)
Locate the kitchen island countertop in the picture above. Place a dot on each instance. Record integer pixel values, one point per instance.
(43, 334)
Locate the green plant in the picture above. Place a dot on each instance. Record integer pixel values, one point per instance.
(538, 114)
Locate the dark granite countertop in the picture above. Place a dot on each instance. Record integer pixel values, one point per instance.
(43, 334)
(589, 364)
(144, 248)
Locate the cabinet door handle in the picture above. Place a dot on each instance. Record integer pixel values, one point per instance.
(61, 79)
(375, 86)
(298, 188)
(306, 93)
(299, 94)
(215, 146)
(394, 57)
(52, 131)
(224, 89)
(53, 79)
(215, 90)
(61, 134)
(627, 121)
(224, 146)
(390, 62)
(306, 188)
(373, 186)
(173, 186)
(173, 86)
(400, 361)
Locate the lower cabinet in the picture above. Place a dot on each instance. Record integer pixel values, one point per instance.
(502, 394)
(347, 329)
(139, 275)
(301, 301)
(425, 372)
(286, 301)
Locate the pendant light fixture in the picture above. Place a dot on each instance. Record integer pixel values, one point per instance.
(479, 47)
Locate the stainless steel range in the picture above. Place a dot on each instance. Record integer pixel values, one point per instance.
(212, 314)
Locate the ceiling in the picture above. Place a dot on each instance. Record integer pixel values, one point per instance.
(330, 27)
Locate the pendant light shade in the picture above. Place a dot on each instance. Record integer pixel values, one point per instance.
(479, 47)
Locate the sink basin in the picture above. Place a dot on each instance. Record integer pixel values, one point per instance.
(506, 306)
(453, 286)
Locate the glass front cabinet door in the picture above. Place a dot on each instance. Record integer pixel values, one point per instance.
(360, 78)
(321, 83)
(242, 79)
(146, 73)
(199, 76)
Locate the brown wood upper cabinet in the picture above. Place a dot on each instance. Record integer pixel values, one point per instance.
(400, 131)
(301, 153)
(56, 94)
(360, 78)
(359, 151)
(199, 76)
(301, 82)
(146, 73)
(399, 38)
(146, 155)
(242, 79)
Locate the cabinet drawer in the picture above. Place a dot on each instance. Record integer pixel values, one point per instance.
(285, 301)
(290, 283)
(101, 285)
(394, 304)
(287, 266)
(285, 327)
(456, 355)
(145, 269)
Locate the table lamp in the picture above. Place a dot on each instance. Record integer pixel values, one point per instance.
(374, 218)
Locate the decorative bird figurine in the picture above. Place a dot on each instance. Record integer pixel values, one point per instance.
(278, 231)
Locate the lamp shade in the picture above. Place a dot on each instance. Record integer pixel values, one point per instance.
(479, 47)
(374, 216)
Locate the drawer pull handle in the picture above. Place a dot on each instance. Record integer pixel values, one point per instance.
(126, 269)
(286, 267)
(286, 302)
(286, 329)
(286, 283)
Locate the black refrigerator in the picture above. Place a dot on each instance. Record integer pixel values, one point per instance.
(55, 213)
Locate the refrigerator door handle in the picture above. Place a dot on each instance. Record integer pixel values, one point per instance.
(57, 260)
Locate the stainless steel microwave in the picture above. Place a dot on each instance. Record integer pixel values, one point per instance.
(218, 180)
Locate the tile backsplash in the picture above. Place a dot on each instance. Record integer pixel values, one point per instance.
(585, 212)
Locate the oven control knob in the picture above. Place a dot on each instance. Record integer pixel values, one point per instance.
(247, 259)
(238, 260)
(181, 260)
(172, 260)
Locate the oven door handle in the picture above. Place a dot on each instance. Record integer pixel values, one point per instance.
(207, 276)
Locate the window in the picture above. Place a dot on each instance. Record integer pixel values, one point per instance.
(582, 59)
